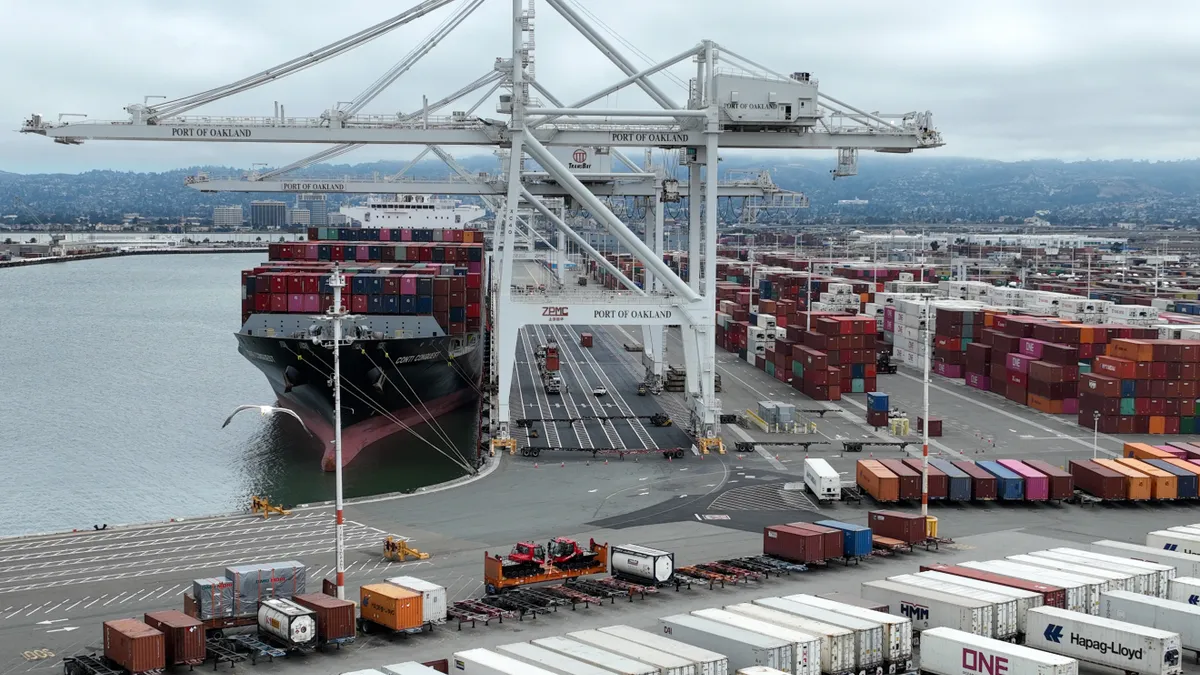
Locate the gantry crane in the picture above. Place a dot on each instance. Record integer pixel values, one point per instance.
(754, 107)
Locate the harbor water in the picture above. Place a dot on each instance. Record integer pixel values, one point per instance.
(117, 376)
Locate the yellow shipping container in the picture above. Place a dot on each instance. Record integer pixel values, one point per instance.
(390, 606)
(1137, 484)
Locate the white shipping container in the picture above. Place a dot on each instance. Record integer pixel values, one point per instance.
(897, 630)
(742, 647)
(1185, 564)
(484, 662)
(1107, 642)
(552, 661)
(668, 664)
(929, 608)
(823, 480)
(1004, 607)
(372, 671)
(1174, 541)
(806, 648)
(1142, 580)
(945, 651)
(1160, 613)
(641, 564)
(1160, 574)
(601, 658)
(707, 662)
(868, 635)
(408, 668)
(759, 670)
(1112, 581)
(837, 643)
(1185, 590)
(433, 596)
(1025, 600)
(1083, 594)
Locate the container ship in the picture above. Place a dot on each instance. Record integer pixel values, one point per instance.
(414, 275)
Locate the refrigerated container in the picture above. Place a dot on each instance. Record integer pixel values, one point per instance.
(742, 647)
(1112, 581)
(760, 670)
(601, 658)
(838, 649)
(707, 662)
(1185, 590)
(666, 662)
(1054, 596)
(1003, 607)
(856, 539)
(806, 648)
(897, 630)
(868, 635)
(822, 479)
(1025, 600)
(928, 608)
(1186, 564)
(1160, 573)
(1082, 595)
(550, 660)
(433, 597)
(407, 668)
(1160, 613)
(1106, 642)
(1141, 580)
(485, 662)
(945, 651)
(641, 564)
(856, 601)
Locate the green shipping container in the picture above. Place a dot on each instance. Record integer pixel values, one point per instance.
(1085, 367)
(858, 385)
(771, 368)
(1127, 407)
(1196, 411)
(1187, 425)
(797, 369)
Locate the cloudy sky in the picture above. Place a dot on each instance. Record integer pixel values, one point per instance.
(1008, 79)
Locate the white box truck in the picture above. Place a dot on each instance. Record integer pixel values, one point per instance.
(1159, 574)
(484, 662)
(945, 651)
(806, 648)
(742, 647)
(1184, 589)
(408, 668)
(1106, 642)
(837, 643)
(1186, 564)
(897, 630)
(552, 661)
(1174, 541)
(601, 658)
(707, 662)
(822, 479)
(1158, 613)
(1083, 595)
(1129, 580)
(1004, 607)
(433, 597)
(1110, 581)
(929, 608)
(667, 664)
(1026, 600)
(868, 635)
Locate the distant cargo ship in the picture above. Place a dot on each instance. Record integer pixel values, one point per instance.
(414, 270)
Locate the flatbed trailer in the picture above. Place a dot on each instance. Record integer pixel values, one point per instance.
(496, 582)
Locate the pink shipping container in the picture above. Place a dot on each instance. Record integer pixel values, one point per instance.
(405, 235)
(1070, 406)
(1191, 450)
(385, 234)
(362, 253)
(475, 267)
(312, 303)
(979, 381)
(1037, 484)
(1031, 347)
(295, 302)
(1174, 451)
(889, 325)
(947, 369)
(408, 283)
(1019, 362)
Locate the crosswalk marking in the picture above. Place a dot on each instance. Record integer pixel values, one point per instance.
(763, 498)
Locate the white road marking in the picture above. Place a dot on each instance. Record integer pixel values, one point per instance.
(776, 464)
(57, 606)
(95, 601)
(167, 591)
(592, 490)
(76, 603)
(17, 612)
(39, 607)
(110, 600)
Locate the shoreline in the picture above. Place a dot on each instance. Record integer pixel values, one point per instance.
(26, 262)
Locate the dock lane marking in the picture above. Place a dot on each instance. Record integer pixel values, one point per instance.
(95, 601)
(776, 464)
(38, 608)
(18, 611)
(110, 600)
(67, 609)
(166, 592)
(150, 593)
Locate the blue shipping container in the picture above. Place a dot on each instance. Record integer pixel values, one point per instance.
(424, 305)
(391, 304)
(857, 538)
(374, 304)
(1128, 388)
(960, 482)
(408, 304)
(877, 402)
(358, 285)
(375, 285)
(1008, 484)
(1185, 481)
(458, 314)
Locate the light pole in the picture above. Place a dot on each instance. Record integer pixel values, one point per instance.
(925, 423)
(1095, 433)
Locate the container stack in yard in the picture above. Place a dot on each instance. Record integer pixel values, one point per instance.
(945, 651)
(707, 662)
(833, 539)
(1125, 646)
(600, 658)
(983, 484)
(1185, 564)
(1061, 484)
(910, 481)
(1098, 480)
(877, 481)
(1025, 600)
(1081, 594)
(1053, 596)
(1009, 486)
(740, 646)
(1037, 484)
(838, 651)
(1137, 484)
(134, 646)
(553, 661)
(878, 406)
(1163, 485)
(958, 482)
(485, 662)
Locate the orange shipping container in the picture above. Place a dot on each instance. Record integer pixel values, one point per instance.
(1145, 451)
(390, 606)
(875, 478)
(1163, 484)
(1137, 484)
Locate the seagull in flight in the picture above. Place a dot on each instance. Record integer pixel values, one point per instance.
(264, 410)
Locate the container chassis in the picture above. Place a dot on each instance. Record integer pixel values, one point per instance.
(96, 664)
(495, 582)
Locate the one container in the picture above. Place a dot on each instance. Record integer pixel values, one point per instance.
(1186, 564)
(822, 479)
(1004, 607)
(1111, 581)
(1062, 485)
(1163, 485)
(806, 648)
(881, 484)
(906, 527)
(945, 651)
(1107, 642)
(928, 608)
(983, 484)
(1037, 484)
(1137, 484)
(1009, 485)
(1142, 580)
(833, 539)
(740, 646)
(293, 624)
(1054, 596)
(666, 662)
(707, 662)
(958, 482)
(335, 618)
(183, 636)
(641, 564)
(838, 653)
(390, 606)
(1174, 541)
(485, 662)
(1098, 480)
(433, 596)
(1158, 613)
(868, 635)
(1082, 595)
(897, 630)
(939, 483)
(856, 539)
(910, 481)
(789, 543)
(1025, 600)
(1185, 479)
(550, 660)
(134, 646)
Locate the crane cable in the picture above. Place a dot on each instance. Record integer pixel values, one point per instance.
(426, 416)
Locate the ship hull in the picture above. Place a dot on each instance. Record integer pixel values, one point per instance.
(387, 384)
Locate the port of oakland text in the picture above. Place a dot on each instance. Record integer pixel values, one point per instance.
(314, 187)
(663, 138)
(209, 132)
(633, 314)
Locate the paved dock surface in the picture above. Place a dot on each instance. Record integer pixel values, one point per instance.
(56, 590)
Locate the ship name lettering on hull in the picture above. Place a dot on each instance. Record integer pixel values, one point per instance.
(413, 358)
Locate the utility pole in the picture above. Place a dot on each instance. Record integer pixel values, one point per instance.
(925, 421)
(1095, 433)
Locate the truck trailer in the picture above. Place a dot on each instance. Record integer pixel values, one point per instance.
(945, 651)
(1107, 642)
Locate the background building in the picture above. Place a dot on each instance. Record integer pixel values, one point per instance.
(338, 220)
(227, 216)
(314, 203)
(299, 217)
(268, 215)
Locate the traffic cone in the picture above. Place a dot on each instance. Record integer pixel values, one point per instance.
(535, 465)
(606, 462)
(563, 465)
(669, 458)
(587, 462)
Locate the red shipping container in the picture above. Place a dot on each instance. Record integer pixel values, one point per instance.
(183, 636)
(790, 543)
(278, 283)
(134, 646)
(906, 527)
(834, 542)
(279, 303)
(262, 302)
(1052, 596)
(910, 481)
(295, 283)
(358, 304)
(1097, 480)
(983, 484)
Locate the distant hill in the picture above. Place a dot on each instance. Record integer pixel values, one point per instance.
(904, 189)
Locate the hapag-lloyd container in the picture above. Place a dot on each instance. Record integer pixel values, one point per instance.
(1181, 564)
(1025, 600)
(1185, 590)
(1054, 596)
(666, 662)
(1107, 642)
(742, 647)
(707, 662)
(897, 630)
(806, 648)
(1037, 484)
(1004, 607)
(1111, 581)
(1174, 541)
(1141, 580)
(1158, 613)
(838, 649)
(945, 651)
(929, 608)
(1082, 595)
(868, 635)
